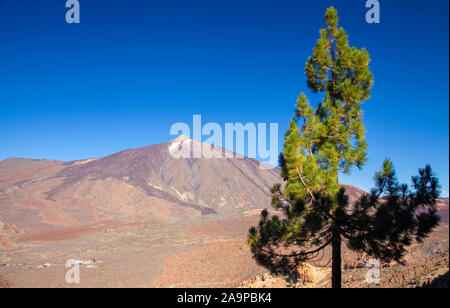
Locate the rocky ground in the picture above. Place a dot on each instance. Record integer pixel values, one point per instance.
(200, 252)
(148, 254)
(425, 266)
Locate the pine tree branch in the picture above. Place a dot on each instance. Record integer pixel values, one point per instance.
(343, 232)
(304, 184)
(327, 68)
(283, 197)
(300, 254)
(333, 77)
(307, 129)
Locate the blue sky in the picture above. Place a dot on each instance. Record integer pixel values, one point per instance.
(131, 69)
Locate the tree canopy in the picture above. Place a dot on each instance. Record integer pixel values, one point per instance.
(323, 142)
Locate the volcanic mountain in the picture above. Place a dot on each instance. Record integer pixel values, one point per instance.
(136, 183)
(133, 185)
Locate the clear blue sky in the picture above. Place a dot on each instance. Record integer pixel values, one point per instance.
(131, 69)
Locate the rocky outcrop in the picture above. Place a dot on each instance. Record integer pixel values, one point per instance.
(5, 243)
(306, 276)
(5, 229)
(13, 229)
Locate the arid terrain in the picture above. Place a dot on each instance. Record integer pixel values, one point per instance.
(140, 218)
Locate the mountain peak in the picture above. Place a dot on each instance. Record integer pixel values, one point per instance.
(180, 138)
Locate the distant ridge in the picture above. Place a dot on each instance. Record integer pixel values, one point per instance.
(135, 183)
(132, 185)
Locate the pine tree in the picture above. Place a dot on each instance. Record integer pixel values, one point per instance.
(320, 144)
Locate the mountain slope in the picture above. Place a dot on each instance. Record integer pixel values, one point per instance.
(136, 183)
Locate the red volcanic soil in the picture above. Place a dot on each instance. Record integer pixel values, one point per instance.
(74, 232)
(442, 207)
(226, 262)
(235, 227)
(4, 283)
(227, 228)
(25, 173)
(216, 265)
(6, 243)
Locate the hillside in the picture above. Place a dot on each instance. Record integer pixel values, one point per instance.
(149, 220)
(132, 184)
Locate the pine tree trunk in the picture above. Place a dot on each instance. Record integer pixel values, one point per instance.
(336, 271)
